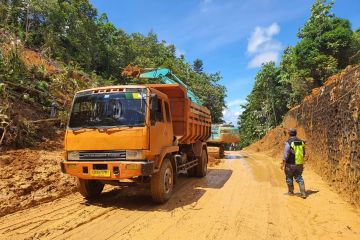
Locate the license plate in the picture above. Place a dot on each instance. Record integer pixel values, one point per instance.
(100, 173)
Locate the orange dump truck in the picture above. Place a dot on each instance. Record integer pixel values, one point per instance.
(145, 133)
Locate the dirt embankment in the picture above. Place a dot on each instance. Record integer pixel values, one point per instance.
(328, 120)
(29, 177)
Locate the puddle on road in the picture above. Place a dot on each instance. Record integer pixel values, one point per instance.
(233, 157)
(264, 170)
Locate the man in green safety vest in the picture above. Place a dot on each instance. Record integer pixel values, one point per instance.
(293, 161)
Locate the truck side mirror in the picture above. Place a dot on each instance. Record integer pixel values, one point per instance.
(154, 102)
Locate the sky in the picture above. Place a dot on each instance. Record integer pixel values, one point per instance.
(233, 37)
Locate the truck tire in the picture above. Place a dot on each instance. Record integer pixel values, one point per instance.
(162, 182)
(201, 168)
(90, 189)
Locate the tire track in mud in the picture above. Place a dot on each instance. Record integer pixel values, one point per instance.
(68, 214)
(296, 215)
(185, 218)
(14, 223)
(151, 209)
(282, 209)
(34, 227)
(195, 224)
(239, 199)
(107, 218)
(273, 199)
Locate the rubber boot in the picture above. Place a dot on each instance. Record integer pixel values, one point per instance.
(290, 190)
(302, 190)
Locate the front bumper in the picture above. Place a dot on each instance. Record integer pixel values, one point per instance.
(118, 169)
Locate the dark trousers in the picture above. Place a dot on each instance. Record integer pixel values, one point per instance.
(293, 171)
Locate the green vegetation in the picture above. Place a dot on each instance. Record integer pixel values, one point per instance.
(73, 48)
(265, 105)
(72, 34)
(326, 45)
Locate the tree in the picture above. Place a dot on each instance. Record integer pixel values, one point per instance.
(75, 35)
(266, 105)
(198, 65)
(330, 35)
(324, 48)
(326, 45)
(355, 48)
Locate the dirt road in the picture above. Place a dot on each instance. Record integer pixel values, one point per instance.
(240, 198)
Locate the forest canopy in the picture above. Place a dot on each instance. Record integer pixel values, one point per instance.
(74, 35)
(327, 44)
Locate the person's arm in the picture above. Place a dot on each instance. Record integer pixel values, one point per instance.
(286, 155)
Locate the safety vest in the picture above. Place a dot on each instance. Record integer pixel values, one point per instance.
(297, 147)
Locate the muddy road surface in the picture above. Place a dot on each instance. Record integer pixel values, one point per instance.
(242, 197)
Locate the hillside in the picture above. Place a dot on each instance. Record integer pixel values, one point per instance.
(328, 120)
(29, 86)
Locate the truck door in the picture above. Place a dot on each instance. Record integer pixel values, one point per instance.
(160, 134)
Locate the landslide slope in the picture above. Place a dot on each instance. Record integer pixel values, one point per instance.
(31, 142)
(328, 120)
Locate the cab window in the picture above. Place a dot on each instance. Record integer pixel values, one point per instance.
(159, 113)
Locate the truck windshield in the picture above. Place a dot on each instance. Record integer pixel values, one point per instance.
(108, 110)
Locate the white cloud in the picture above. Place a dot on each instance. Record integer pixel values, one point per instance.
(233, 110)
(262, 47)
(262, 37)
(263, 58)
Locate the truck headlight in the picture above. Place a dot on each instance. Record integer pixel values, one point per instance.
(74, 155)
(134, 155)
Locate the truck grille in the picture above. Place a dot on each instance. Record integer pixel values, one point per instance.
(102, 155)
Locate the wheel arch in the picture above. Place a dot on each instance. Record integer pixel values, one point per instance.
(166, 152)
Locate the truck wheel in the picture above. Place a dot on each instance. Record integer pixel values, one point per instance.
(201, 168)
(162, 182)
(90, 189)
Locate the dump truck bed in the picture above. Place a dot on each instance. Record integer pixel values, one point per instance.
(191, 122)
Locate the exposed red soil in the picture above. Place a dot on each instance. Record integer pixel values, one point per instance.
(32, 176)
(32, 58)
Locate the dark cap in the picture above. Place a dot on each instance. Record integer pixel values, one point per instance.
(292, 132)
